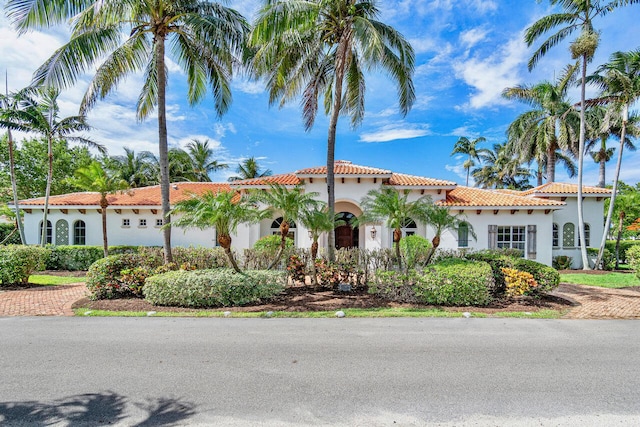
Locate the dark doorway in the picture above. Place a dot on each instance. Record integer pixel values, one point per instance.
(347, 236)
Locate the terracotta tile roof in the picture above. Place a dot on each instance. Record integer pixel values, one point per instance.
(284, 179)
(402, 179)
(467, 196)
(563, 188)
(146, 196)
(344, 167)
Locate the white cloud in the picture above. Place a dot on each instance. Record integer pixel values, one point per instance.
(395, 132)
(458, 169)
(473, 36)
(489, 76)
(248, 86)
(221, 129)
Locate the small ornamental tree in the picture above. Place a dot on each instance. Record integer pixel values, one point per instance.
(223, 211)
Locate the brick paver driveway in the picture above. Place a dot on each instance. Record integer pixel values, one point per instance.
(41, 301)
(590, 302)
(601, 303)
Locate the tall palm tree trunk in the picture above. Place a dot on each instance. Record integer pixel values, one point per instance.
(103, 211)
(397, 235)
(47, 192)
(602, 170)
(583, 242)
(331, 140)
(225, 241)
(607, 223)
(619, 237)
(314, 255)
(14, 187)
(551, 162)
(163, 146)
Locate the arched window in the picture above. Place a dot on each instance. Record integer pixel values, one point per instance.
(556, 235)
(409, 227)
(568, 235)
(275, 227)
(587, 235)
(79, 233)
(49, 233)
(463, 235)
(62, 232)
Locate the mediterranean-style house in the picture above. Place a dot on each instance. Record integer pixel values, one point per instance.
(541, 222)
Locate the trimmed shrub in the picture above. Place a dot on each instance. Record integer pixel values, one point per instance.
(272, 243)
(18, 262)
(455, 282)
(200, 258)
(73, 258)
(394, 285)
(518, 282)
(415, 250)
(608, 261)
(9, 234)
(625, 245)
(547, 277)
(633, 258)
(213, 288)
(562, 262)
(105, 281)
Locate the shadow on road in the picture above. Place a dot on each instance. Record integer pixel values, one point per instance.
(94, 409)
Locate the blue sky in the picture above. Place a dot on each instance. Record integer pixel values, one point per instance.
(467, 51)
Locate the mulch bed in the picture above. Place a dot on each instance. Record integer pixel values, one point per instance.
(304, 298)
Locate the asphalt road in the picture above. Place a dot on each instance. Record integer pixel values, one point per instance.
(240, 372)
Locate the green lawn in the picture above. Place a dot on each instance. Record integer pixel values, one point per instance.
(609, 280)
(375, 312)
(46, 280)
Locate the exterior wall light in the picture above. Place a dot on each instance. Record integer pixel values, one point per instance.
(373, 233)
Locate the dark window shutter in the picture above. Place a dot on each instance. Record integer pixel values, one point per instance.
(493, 236)
(531, 241)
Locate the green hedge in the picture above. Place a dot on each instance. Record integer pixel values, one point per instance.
(452, 282)
(213, 288)
(625, 245)
(104, 278)
(18, 262)
(455, 282)
(633, 257)
(6, 230)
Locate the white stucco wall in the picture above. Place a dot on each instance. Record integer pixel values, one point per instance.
(593, 211)
(348, 197)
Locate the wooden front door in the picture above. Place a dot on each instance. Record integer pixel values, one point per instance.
(344, 237)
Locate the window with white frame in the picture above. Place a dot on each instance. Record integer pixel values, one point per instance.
(463, 235)
(159, 222)
(275, 227)
(126, 222)
(511, 237)
(409, 227)
(79, 233)
(142, 222)
(556, 235)
(587, 235)
(49, 233)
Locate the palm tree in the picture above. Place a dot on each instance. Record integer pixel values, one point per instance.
(467, 146)
(575, 15)
(206, 39)
(500, 169)
(137, 169)
(289, 203)
(249, 169)
(619, 81)
(396, 208)
(38, 113)
(8, 103)
(602, 123)
(550, 125)
(317, 220)
(202, 159)
(441, 220)
(180, 165)
(224, 211)
(320, 48)
(95, 178)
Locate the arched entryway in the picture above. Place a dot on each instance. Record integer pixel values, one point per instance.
(348, 235)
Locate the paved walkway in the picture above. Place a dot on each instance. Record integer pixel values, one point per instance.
(590, 302)
(600, 303)
(41, 301)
